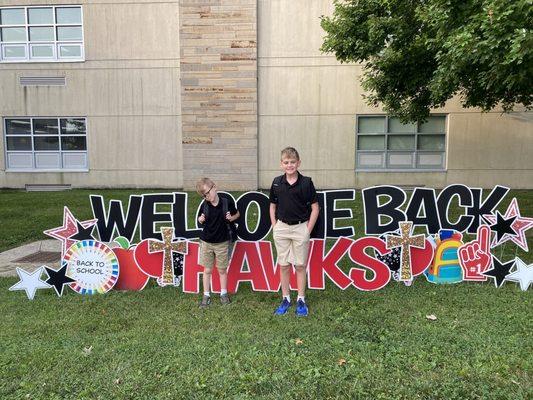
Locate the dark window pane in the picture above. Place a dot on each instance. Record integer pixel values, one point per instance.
(72, 126)
(18, 143)
(18, 127)
(46, 143)
(401, 142)
(45, 127)
(73, 143)
(371, 125)
(371, 142)
(434, 125)
(431, 142)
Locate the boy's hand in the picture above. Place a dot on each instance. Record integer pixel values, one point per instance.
(229, 217)
(201, 218)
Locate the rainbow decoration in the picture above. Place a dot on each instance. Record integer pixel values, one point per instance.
(93, 265)
(445, 267)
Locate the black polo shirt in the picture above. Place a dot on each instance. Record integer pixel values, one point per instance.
(293, 204)
(215, 229)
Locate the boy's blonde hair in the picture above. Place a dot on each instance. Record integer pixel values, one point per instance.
(290, 152)
(203, 182)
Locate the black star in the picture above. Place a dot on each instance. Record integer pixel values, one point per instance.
(499, 271)
(58, 278)
(503, 226)
(83, 233)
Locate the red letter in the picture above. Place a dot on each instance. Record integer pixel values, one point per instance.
(320, 264)
(246, 251)
(358, 256)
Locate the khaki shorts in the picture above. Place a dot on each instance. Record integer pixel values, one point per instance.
(292, 243)
(209, 252)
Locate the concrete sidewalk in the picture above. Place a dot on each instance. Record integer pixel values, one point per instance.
(8, 258)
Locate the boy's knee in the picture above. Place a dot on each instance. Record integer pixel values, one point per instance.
(299, 268)
(222, 271)
(285, 267)
(207, 271)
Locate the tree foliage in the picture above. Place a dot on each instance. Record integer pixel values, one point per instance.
(417, 54)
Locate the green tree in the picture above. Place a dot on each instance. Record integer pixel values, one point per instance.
(417, 54)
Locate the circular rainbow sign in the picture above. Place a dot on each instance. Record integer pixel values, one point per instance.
(93, 265)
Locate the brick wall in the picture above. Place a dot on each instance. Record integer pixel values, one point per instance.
(219, 92)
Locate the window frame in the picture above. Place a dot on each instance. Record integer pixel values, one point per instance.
(34, 152)
(56, 44)
(386, 152)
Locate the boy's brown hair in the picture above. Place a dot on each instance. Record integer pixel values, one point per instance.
(203, 182)
(290, 152)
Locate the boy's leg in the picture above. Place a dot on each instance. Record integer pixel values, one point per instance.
(301, 279)
(207, 280)
(282, 240)
(222, 261)
(301, 250)
(207, 259)
(285, 277)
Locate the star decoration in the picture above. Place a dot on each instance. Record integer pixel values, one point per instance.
(523, 274)
(503, 226)
(499, 271)
(30, 282)
(68, 229)
(58, 278)
(83, 233)
(519, 226)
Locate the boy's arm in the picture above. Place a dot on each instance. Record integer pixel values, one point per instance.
(233, 217)
(315, 209)
(273, 219)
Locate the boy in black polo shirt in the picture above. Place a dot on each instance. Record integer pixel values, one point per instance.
(215, 243)
(293, 213)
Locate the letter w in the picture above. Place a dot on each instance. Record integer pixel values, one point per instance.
(125, 226)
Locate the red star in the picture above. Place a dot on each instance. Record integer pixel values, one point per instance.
(68, 229)
(520, 225)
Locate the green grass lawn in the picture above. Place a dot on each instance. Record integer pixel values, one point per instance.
(158, 344)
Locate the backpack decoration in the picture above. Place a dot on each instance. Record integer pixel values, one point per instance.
(232, 227)
(445, 267)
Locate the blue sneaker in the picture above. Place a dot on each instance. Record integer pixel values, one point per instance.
(301, 309)
(283, 307)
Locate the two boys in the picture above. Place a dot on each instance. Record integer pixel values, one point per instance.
(293, 213)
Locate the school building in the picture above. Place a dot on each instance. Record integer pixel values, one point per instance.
(155, 94)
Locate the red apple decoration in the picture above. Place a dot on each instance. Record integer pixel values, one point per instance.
(130, 276)
(150, 263)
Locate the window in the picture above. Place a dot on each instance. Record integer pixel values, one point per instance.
(41, 34)
(384, 143)
(46, 143)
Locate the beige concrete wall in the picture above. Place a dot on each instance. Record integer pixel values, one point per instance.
(309, 100)
(128, 88)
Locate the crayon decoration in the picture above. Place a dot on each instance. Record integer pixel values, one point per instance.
(93, 266)
(167, 247)
(445, 267)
